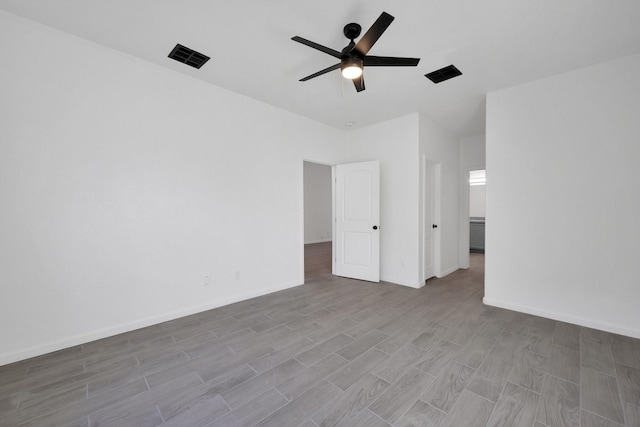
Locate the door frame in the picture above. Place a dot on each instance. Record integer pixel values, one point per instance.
(300, 210)
(428, 212)
(301, 214)
(436, 216)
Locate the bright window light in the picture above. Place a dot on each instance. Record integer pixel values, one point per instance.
(478, 177)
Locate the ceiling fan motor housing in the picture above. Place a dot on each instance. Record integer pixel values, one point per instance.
(352, 30)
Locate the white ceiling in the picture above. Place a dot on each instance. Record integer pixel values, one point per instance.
(495, 43)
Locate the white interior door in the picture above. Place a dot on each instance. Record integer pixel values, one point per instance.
(357, 245)
(429, 217)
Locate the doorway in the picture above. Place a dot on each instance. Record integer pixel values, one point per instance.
(341, 217)
(475, 221)
(318, 227)
(477, 210)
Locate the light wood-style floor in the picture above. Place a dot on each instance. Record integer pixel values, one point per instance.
(338, 352)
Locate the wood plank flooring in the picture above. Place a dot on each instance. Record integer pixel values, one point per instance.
(338, 352)
(317, 260)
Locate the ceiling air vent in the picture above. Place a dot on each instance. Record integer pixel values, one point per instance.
(446, 73)
(188, 56)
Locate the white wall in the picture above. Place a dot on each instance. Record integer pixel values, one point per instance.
(399, 145)
(123, 184)
(395, 144)
(563, 197)
(443, 148)
(472, 157)
(318, 201)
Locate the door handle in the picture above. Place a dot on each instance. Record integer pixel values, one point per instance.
(434, 225)
(375, 227)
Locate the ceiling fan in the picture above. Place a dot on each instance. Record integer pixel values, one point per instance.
(353, 57)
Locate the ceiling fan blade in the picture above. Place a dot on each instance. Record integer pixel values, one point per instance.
(321, 72)
(317, 46)
(373, 34)
(390, 61)
(359, 83)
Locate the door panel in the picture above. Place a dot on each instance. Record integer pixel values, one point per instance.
(357, 221)
(356, 249)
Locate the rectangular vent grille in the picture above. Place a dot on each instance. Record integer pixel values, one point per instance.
(446, 73)
(188, 56)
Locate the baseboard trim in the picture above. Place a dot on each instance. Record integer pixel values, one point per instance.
(563, 318)
(418, 285)
(39, 350)
(448, 271)
(317, 241)
(398, 281)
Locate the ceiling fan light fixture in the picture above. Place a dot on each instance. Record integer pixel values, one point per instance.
(351, 68)
(355, 55)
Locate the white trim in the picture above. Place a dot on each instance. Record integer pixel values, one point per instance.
(334, 218)
(39, 350)
(425, 225)
(437, 219)
(317, 241)
(411, 284)
(399, 281)
(448, 271)
(563, 318)
(301, 222)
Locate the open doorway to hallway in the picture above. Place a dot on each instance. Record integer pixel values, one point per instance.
(318, 227)
(477, 217)
(477, 210)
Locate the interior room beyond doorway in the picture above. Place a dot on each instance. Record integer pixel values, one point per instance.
(318, 227)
